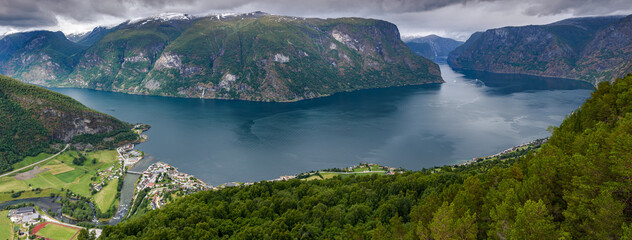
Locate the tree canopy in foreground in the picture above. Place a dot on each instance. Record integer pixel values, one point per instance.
(577, 186)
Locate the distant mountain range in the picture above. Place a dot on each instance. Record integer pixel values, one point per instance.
(592, 49)
(433, 47)
(254, 56)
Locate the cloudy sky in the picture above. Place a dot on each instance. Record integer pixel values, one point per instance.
(451, 18)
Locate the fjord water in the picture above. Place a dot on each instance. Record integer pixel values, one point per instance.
(413, 127)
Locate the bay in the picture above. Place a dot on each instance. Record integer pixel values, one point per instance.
(471, 115)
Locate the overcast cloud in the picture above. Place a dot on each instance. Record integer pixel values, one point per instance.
(451, 18)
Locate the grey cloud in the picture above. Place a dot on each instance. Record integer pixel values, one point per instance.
(43, 13)
(578, 7)
(24, 14)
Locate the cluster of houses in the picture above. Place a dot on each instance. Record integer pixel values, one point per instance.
(162, 179)
(25, 215)
(370, 166)
(104, 176)
(128, 156)
(534, 143)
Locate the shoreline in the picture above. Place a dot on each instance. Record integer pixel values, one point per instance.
(534, 144)
(245, 100)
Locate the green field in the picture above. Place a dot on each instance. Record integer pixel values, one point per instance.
(106, 197)
(62, 173)
(6, 226)
(69, 176)
(30, 160)
(54, 231)
(6, 196)
(329, 175)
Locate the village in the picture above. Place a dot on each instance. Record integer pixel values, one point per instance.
(163, 179)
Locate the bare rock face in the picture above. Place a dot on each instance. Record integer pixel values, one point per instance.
(279, 57)
(73, 125)
(168, 60)
(64, 124)
(152, 84)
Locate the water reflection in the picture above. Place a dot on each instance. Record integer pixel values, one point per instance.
(412, 127)
(504, 84)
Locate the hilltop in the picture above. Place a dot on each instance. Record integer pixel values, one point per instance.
(33, 118)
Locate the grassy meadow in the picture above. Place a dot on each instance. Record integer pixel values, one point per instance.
(59, 173)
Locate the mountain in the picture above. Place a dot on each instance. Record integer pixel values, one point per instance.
(40, 57)
(578, 185)
(433, 47)
(592, 49)
(254, 56)
(89, 38)
(33, 118)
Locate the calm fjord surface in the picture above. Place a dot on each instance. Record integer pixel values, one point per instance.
(411, 127)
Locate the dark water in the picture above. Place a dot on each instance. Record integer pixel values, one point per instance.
(411, 127)
(45, 203)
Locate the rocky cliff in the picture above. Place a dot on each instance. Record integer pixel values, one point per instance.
(592, 49)
(255, 56)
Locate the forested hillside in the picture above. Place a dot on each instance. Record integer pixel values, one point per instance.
(32, 118)
(577, 186)
(254, 56)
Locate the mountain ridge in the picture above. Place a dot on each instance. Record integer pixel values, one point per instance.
(577, 48)
(254, 56)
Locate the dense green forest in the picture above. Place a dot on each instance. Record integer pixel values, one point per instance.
(79, 209)
(577, 186)
(32, 118)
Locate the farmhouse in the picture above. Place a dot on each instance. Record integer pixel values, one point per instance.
(24, 215)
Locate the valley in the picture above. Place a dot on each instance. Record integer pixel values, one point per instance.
(226, 141)
(333, 125)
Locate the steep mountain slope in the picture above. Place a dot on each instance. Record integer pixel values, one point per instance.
(565, 49)
(32, 118)
(252, 56)
(577, 186)
(121, 59)
(40, 57)
(609, 54)
(255, 56)
(433, 47)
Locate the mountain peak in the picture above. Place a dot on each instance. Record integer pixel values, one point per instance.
(163, 17)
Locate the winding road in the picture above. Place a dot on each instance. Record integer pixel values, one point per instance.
(49, 158)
